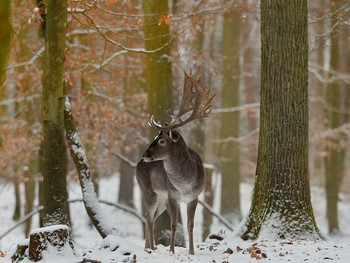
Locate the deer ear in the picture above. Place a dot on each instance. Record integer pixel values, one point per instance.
(174, 136)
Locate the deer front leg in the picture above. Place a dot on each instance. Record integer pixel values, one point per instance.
(149, 243)
(172, 207)
(191, 209)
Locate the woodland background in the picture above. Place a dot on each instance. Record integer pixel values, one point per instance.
(109, 44)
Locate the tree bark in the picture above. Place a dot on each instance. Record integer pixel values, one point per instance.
(54, 147)
(281, 203)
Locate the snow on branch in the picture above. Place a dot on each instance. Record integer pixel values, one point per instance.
(91, 201)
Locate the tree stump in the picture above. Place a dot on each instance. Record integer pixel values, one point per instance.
(40, 239)
(20, 251)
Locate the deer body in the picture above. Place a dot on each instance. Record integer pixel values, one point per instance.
(169, 173)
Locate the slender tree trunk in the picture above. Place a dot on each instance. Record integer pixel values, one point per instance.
(281, 203)
(230, 166)
(126, 184)
(54, 147)
(198, 132)
(17, 212)
(334, 160)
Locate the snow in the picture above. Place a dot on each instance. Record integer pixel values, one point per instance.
(49, 229)
(128, 245)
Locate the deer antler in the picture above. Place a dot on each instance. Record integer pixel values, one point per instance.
(196, 98)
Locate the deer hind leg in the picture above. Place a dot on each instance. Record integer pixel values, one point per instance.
(172, 208)
(191, 209)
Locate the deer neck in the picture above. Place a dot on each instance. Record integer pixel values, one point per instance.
(177, 167)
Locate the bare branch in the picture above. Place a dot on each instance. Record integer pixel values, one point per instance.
(238, 108)
(22, 221)
(125, 159)
(219, 217)
(241, 138)
(119, 206)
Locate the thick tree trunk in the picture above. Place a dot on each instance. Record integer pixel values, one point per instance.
(229, 150)
(281, 203)
(54, 147)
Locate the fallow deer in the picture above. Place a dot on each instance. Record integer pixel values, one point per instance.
(169, 171)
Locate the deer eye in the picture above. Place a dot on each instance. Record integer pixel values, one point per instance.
(161, 142)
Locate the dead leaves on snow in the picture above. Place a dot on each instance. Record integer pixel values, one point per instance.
(253, 250)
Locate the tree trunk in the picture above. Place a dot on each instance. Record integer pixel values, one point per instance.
(126, 184)
(281, 203)
(5, 39)
(54, 147)
(17, 212)
(158, 81)
(56, 236)
(334, 160)
(229, 150)
(80, 159)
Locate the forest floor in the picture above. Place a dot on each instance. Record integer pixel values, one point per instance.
(128, 246)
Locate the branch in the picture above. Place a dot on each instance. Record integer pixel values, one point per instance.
(79, 157)
(125, 159)
(331, 133)
(219, 217)
(238, 108)
(92, 24)
(241, 138)
(314, 69)
(22, 221)
(106, 61)
(119, 206)
(30, 61)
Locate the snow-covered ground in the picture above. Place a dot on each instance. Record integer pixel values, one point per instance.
(128, 246)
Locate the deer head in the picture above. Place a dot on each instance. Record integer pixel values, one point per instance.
(165, 143)
(196, 98)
